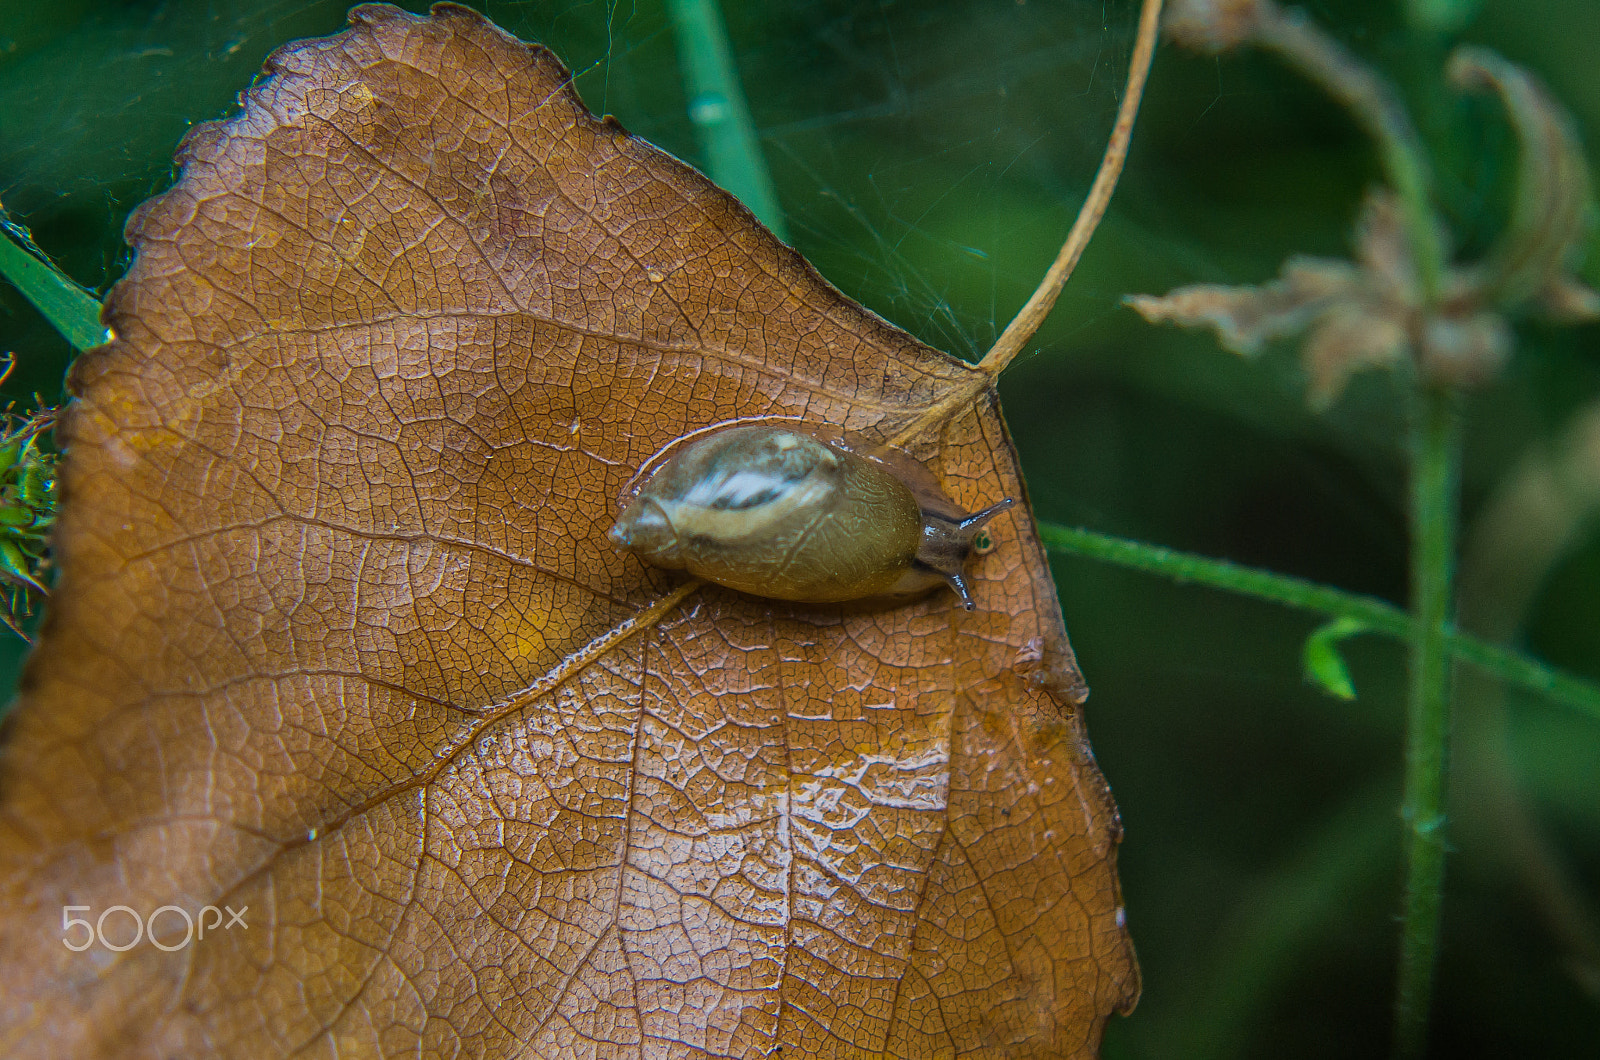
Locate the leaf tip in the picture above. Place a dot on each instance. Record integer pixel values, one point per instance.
(1324, 665)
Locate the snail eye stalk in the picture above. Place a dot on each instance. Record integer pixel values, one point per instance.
(977, 519)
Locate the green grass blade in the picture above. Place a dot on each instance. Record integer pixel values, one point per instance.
(73, 310)
(720, 114)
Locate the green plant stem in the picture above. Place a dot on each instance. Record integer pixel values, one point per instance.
(1435, 472)
(718, 109)
(1378, 616)
(74, 311)
(1376, 107)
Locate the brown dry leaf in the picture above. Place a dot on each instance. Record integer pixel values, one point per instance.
(1246, 318)
(339, 638)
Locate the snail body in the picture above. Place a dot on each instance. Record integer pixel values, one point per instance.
(779, 513)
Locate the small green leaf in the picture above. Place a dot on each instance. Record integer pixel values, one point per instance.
(14, 564)
(1325, 667)
(34, 489)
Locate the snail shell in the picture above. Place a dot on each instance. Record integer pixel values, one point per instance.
(779, 513)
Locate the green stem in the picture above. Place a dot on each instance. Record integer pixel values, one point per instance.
(1376, 107)
(1435, 474)
(719, 112)
(1376, 615)
(74, 311)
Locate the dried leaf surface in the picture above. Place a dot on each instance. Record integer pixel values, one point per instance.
(339, 637)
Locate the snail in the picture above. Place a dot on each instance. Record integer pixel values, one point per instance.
(778, 513)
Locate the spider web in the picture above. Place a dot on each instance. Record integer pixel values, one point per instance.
(913, 145)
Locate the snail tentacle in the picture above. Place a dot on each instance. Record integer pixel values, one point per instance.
(977, 519)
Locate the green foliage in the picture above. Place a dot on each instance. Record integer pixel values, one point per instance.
(1444, 326)
(27, 512)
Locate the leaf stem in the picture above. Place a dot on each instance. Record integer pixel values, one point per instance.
(1435, 474)
(1033, 313)
(1027, 321)
(719, 111)
(1378, 616)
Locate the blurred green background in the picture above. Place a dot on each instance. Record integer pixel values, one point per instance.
(929, 156)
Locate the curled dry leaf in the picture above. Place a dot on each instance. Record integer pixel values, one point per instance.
(1378, 311)
(339, 639)
(1247, 318)
(1553, 210)
(1356, 315)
